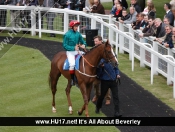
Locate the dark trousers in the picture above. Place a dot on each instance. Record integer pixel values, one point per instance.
(105, 85)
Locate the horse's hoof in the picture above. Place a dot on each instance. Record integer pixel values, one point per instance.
(71, 112)
(54, 110)
(79, 113)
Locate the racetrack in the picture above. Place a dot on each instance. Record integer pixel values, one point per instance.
(134, 100)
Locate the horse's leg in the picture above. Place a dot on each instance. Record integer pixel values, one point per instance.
(88, 91)
(85, 98)
(68, 88)
(53, 79)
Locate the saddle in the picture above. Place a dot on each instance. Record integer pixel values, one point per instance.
(77, 63)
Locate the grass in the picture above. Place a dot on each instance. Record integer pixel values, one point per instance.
(142, 77)
(24, 89)
(24, 92)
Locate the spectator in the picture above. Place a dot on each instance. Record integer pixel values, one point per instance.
(141, 3)
(151, 10)
(167, 37)
(135, 5)
(50, 15)
(172, 3)
(173, 9)
(79, 5)
(132, 17)
(105, 69)
(124, 3)
(166, 21)
(139, 22)
(96, 84)
(160, 28)
(98, 7)
(172, 42)
(150, 29)
(89, 3)
(124, 17)
(118, 12)
(114, 8)
(145, 11)
(145, 20)
(169, 14)
(64, 3)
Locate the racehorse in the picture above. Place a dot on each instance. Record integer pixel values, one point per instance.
(86, 74)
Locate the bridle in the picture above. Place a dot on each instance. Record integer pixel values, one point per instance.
(108, 58)
(106, 52)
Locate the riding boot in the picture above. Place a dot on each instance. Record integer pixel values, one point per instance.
(72, 77)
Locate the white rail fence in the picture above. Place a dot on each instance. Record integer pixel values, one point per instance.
(150, 53)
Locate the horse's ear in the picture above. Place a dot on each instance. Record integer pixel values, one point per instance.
(107, 42)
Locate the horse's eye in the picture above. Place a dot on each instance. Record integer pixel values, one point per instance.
(109, 52)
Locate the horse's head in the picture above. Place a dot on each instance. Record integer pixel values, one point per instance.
(109, 54)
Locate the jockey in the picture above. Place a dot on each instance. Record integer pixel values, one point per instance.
(72, 40)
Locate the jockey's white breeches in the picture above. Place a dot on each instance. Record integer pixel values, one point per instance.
(71, 58)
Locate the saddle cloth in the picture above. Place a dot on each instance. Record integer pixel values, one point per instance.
(77, 62)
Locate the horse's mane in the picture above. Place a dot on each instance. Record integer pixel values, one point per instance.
(94, 47)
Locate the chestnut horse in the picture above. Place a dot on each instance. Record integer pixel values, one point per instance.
(86, 74)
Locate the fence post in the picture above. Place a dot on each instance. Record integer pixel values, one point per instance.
(39, 23)
(121, 38)
(169, 70)
(130, 47)
(132, 56)
(93, 24)
(33, 22)
(154, 61)
(66, 22)
(142, 54)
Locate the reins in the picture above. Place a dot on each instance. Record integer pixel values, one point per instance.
(87, 61)
(84, 67)
(90, 63)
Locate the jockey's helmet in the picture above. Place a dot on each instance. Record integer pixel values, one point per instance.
(73, 23)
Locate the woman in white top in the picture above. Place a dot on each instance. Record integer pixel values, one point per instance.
(145, 11)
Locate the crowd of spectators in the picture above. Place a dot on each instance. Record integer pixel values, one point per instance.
(146, 21)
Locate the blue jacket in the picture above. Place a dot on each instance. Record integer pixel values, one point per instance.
(171, 45)
(72, 38)
(107, 72)
(113, 10)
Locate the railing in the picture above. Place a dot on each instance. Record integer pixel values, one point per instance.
(123, 37)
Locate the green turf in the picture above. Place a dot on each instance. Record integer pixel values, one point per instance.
(25, 92)
(141, 76)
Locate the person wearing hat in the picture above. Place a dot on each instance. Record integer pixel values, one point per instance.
(72, 40)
